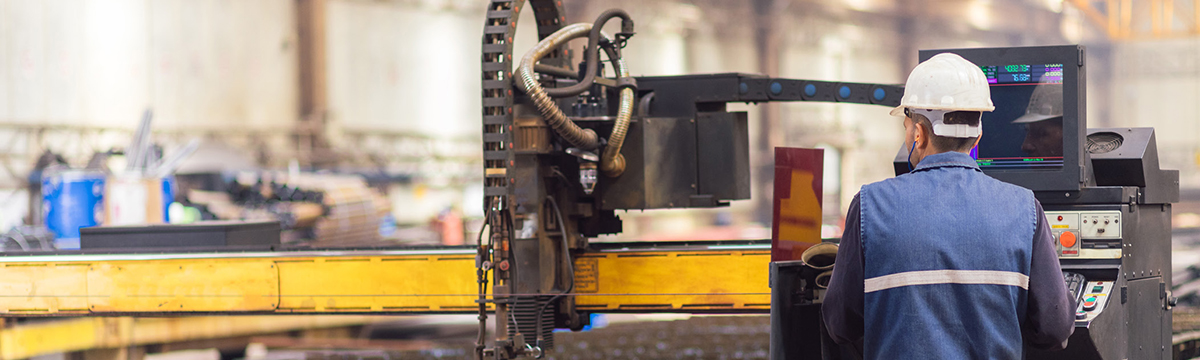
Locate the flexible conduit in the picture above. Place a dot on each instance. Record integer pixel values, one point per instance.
(612, 163)
(585, 139)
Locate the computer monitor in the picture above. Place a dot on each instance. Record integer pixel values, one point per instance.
(1023, 137)
(1034, 137)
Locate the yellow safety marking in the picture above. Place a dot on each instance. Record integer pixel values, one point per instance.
(41, 288)
(1060, 226)
(183, 286)
(587, 271)
(676, 281)
(65, 335)
(392, 284)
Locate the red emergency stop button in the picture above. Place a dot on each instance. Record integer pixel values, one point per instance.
(1089, 304)
(1067, 239)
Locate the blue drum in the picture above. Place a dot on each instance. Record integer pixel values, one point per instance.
(72, 199)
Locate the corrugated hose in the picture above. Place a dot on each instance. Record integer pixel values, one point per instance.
(612, 163)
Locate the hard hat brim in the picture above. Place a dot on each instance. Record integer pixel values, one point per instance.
(899, 110)
(1032, 118)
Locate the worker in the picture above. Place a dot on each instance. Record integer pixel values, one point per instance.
(1043, 122)
(945, 262)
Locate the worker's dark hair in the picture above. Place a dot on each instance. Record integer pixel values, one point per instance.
(946, 143)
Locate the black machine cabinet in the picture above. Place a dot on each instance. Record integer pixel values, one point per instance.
(1122, 246)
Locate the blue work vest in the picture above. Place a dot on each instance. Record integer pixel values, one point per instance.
(946, 251)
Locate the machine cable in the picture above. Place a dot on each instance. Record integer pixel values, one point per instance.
(558, 215)
(592, 51)
(612, 163)
(483, 265)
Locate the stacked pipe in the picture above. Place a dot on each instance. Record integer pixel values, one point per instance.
(326, 210)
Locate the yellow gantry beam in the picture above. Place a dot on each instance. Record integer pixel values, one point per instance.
(712, 279)
(65, 335)
(393, 282)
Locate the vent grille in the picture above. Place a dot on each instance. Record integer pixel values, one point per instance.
(1103, 142)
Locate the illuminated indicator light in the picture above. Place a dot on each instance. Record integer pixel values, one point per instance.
(776, 88)
(810, 90)
(879, 94)
(1060, 218)
(844, 92)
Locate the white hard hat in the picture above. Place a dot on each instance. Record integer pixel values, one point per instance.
(1045, 103)
(945, 83)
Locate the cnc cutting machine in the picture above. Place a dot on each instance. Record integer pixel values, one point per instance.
(566, 147)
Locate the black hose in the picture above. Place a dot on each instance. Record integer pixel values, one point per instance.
(562, 229)
(592, 53)
(553, 70)
(644, 105)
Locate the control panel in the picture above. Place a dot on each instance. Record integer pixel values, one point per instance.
(1092, 300)
(1094, 234)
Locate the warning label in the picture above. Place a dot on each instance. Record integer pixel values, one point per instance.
(587, 275)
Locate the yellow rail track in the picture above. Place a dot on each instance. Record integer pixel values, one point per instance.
(364, 282)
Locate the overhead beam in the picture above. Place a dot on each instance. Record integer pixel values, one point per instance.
(1142, 19)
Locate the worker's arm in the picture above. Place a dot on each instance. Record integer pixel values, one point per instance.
(843, 302)
(1050, 318)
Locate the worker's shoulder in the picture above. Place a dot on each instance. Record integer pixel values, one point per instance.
(925, 179)
(998, 185)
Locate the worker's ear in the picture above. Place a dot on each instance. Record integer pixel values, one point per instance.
(922, 136)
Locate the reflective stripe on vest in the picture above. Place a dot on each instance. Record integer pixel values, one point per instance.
(930, 277)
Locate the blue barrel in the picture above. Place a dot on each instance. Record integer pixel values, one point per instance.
(169, 188)
(72, 199)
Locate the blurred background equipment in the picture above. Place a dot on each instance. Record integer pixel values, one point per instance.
(325, 88)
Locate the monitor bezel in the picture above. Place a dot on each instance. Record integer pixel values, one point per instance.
(1071, 176)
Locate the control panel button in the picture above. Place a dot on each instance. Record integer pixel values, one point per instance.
(1067, 239)
(1089, 304)
(1080, 315)
(1097, 288)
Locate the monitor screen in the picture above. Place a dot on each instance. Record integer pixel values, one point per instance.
(1026, 129)
(1034, 137)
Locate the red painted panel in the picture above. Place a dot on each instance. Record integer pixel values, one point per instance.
(796, 223)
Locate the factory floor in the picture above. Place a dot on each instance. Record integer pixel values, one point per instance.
(625, 337)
